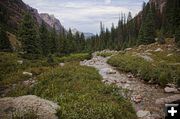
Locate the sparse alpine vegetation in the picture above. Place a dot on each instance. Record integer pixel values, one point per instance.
(80, 94)
(163, 69)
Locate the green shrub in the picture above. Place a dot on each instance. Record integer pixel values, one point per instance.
(11, 72)
(104, 54)
(81, 94)
(161, 73)
(74, 57)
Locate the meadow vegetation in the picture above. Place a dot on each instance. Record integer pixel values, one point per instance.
(77, 89)
(162, 70)
(74, 57)
(104, 54)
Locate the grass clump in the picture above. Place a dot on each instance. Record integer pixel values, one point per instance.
(158, 71)
(81, 94)
(74, 57)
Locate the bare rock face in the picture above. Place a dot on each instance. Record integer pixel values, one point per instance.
(15, 10)
(52, 21)
(44, 109)
(160, 4)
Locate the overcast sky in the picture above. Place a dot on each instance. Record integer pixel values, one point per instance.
(85, 15)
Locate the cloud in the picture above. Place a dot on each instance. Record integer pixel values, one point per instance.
(85, 15)
(107, 1)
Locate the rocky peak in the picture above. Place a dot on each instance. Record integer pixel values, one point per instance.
(52, 21)
(160, 4)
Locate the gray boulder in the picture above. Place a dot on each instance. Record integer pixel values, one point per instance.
(142, 114)
(171, 90)
(43, 108)
(167, 100)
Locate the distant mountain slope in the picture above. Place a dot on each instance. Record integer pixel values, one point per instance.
(52, 21)
(86, 34)
(12, 11)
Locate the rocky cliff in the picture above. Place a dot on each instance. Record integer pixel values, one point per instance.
(52, 21)
(160, 4)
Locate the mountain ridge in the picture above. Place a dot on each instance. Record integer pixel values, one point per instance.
(15, 10)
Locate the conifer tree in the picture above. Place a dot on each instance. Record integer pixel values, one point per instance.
(45, 39)
(147, 30)
(54, 43)
(28, 36)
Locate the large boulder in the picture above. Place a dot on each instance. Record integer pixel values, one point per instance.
(144, 56)
(44, 109)
(171, 90)
(167, 100)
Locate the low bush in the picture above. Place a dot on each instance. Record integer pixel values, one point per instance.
(74, 57)
(11, 71)
(81, 94)
(104, 54)
(161, 72)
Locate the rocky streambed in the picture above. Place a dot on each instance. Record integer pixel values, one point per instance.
(148, 100)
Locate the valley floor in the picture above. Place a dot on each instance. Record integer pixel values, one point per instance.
(145, 97)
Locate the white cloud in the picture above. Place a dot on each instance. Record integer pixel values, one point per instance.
(107, 1)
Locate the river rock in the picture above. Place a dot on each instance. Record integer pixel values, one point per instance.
(146, 57)
(27, 73)
(128, 49)
(29, 82)
(20, 61)
(43, 108)
(61, 64)
(170, 99)
(171, 85)
(169, 55)
(138, 99)
(170, 90)
(142, 114)
(147, 51)
(130, 76)
(123, 81)
(158, 50)
(110, 71)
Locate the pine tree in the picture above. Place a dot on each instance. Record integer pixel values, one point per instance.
(129, 18)
(4, 41)
(54, 43)
(45, 39)
(147, 30)
(28, 36)
(82, 42)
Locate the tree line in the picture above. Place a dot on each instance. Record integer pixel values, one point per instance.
(43, 42)
(142, 29)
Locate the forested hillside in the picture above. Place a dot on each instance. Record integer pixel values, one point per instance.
(158, 19)
(40, 35)
(126, 72)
